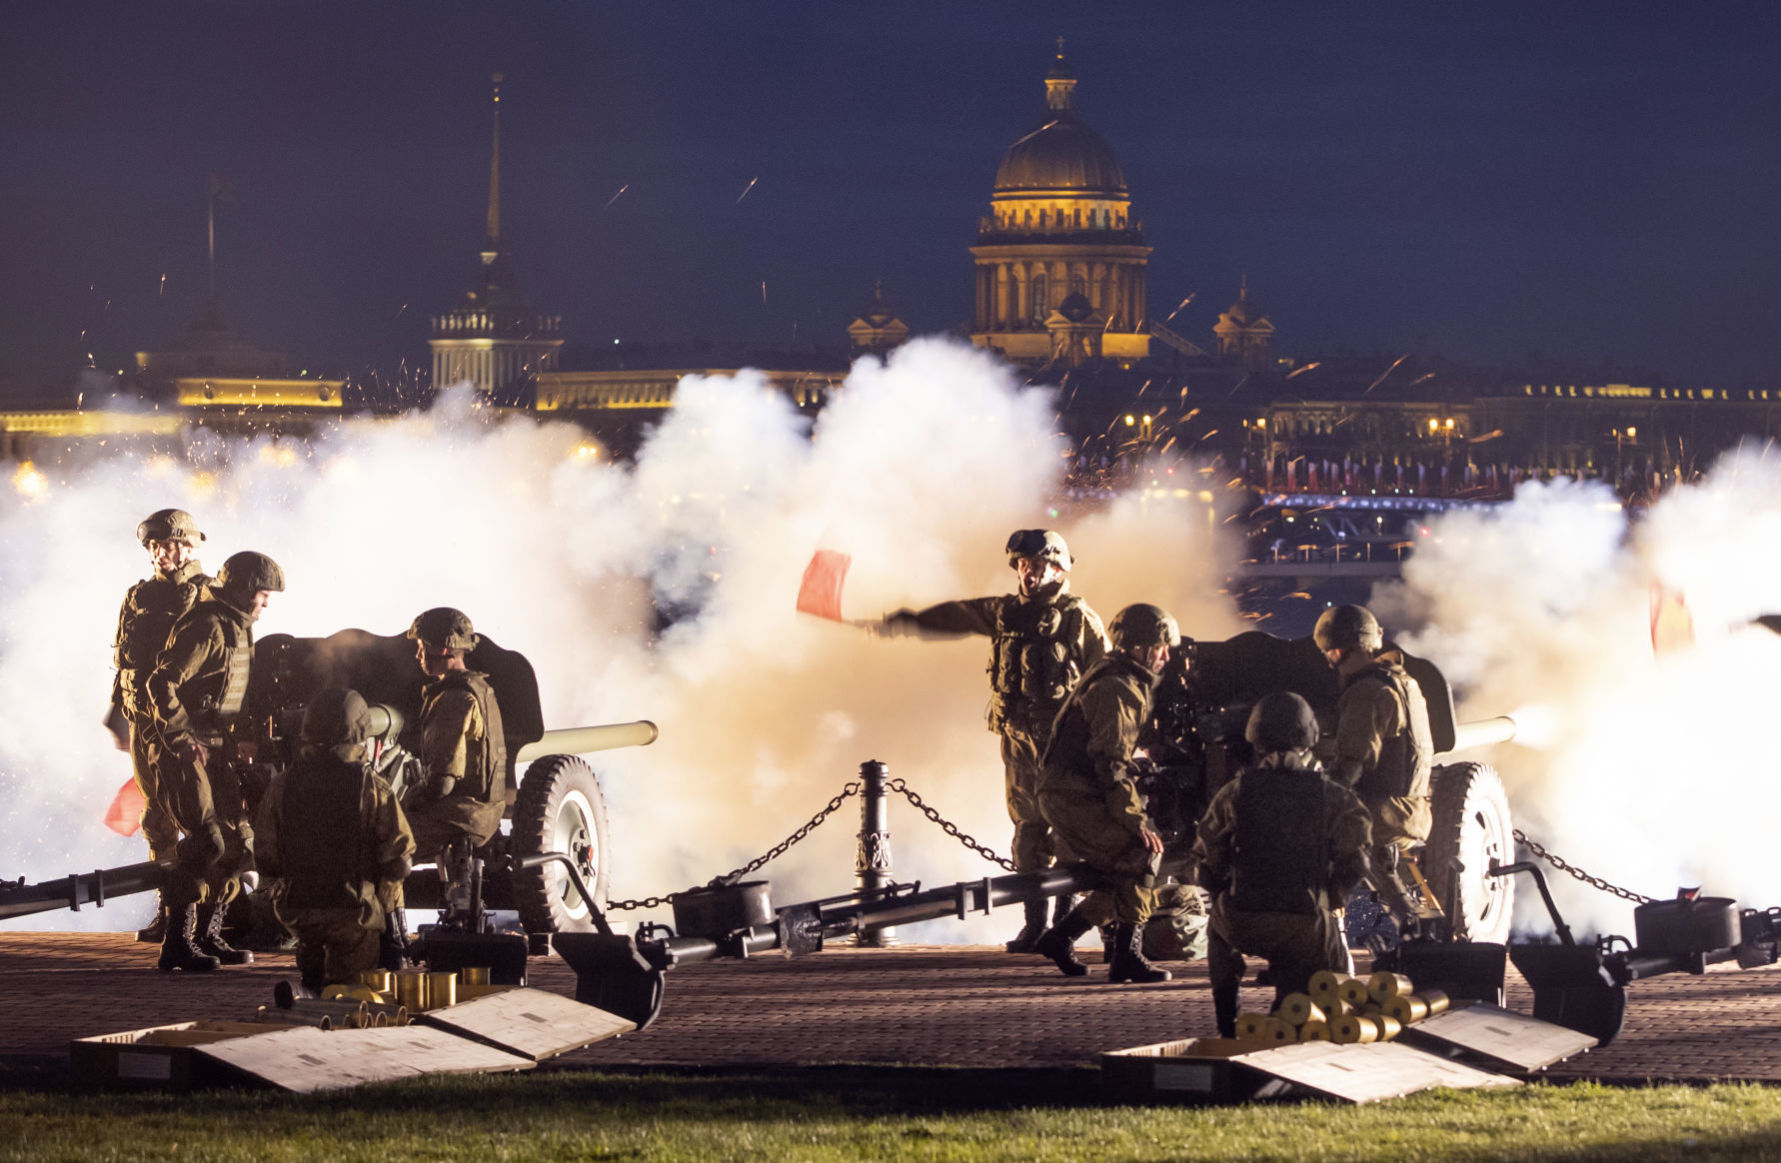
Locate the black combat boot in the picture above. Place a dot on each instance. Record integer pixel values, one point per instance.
(1128, 958)
(1062, 906)
(1027, 940)
(210, 936)
(156, 930)
(179, 949)
(1059, 944)
(312, 970)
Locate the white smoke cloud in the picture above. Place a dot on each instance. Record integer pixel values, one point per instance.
(1652, 771)
(918, 469)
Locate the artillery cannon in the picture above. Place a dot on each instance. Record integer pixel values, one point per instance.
(1196, 745)
(554, 806)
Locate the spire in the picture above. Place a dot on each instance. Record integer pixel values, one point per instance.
(495, 173)
(1060, 83)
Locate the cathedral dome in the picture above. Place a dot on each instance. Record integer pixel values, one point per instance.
(1062, 154)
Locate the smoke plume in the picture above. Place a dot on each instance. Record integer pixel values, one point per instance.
(918, 468)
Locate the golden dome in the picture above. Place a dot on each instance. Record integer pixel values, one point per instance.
(1061, 154)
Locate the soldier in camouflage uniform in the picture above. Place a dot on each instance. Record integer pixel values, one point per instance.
(1090, 798)
(197, 693)
(335, 834)
(1384, 748)
(458, 806)
(1044, 639)
(148, 613)
(1280, 848)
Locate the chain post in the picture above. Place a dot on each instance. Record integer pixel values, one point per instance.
(872, 865)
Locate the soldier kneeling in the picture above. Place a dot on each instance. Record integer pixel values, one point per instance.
(334, 832)
(1280, 848)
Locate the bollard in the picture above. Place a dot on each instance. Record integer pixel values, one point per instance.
(872, 866)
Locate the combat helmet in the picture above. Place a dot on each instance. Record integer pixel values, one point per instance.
(1142, 624)
(1044, 544)
(169, 525)
(1283, 721)
(444, 628)
(1342, 627)
(246, 573)
(337, 717)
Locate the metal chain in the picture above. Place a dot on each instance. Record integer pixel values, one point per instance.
(1592, 881)
(947, 826)
(773, 853)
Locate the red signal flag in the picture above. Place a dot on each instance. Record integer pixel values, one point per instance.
(820, 593)
(124, 816)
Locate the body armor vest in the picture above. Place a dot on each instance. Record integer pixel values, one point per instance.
(322, 834)
(1277, 859)
(1031, 667)
(1406, 759)
(213, 700)
(485, 759)
(150, 610)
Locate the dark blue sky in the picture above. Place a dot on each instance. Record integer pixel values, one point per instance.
(1579, 179)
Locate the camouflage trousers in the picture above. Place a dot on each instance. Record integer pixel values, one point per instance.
(1295, 946)
(158, 825)
(333, 945)
(1034, 845)
(1087, 833)
(204, 799)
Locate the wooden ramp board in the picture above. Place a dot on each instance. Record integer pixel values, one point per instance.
(1503, 1039)
(529, 1022)
(1365, 1073)
(310, 1059)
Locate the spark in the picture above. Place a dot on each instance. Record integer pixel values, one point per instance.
(744, 193)
(1236, 389)
(401, 309)
(627, 186)
(1388, 371)
(1035, 133)
(763, 292)
(1179, 307)
(1299, 371)
(163, 284)
(1422, 378)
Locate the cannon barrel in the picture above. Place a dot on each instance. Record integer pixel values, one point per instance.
(581, 740)
(1482, 733)
(18, 899)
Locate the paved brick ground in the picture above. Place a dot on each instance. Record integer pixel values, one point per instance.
(927, 1005)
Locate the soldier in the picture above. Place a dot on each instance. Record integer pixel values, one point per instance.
(1088, 795)
(148, 613)
(1045, 639)
(458, 807)
(1384, 748)
(334, 832)
(197, 692)
(1280, 848)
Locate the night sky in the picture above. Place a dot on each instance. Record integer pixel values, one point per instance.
(1587, 181)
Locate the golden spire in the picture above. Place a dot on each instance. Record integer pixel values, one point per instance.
(495, 173)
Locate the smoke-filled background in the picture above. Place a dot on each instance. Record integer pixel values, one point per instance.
(1652, 771)
(918, 469)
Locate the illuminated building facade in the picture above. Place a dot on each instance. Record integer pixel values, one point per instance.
(1060, 260)
(493, 339)
(1245, 334)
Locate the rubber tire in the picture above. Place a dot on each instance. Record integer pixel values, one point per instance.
(560, 809)
(1472, 827)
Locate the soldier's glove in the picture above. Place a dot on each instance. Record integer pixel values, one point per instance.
(444, 785)
(192, 751)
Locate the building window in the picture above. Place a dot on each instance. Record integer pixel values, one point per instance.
(1040, 307)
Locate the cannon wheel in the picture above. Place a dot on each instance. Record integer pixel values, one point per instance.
(560, 809)
(1471, 828)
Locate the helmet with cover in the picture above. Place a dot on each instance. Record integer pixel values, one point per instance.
(1043, 544)
(1141, 625)
(443, 628)
(246, 573)
(1283, 721)
(169, 525)
(1343, 627)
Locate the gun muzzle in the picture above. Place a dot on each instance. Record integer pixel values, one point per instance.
(582, 740)
(1482, 733)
